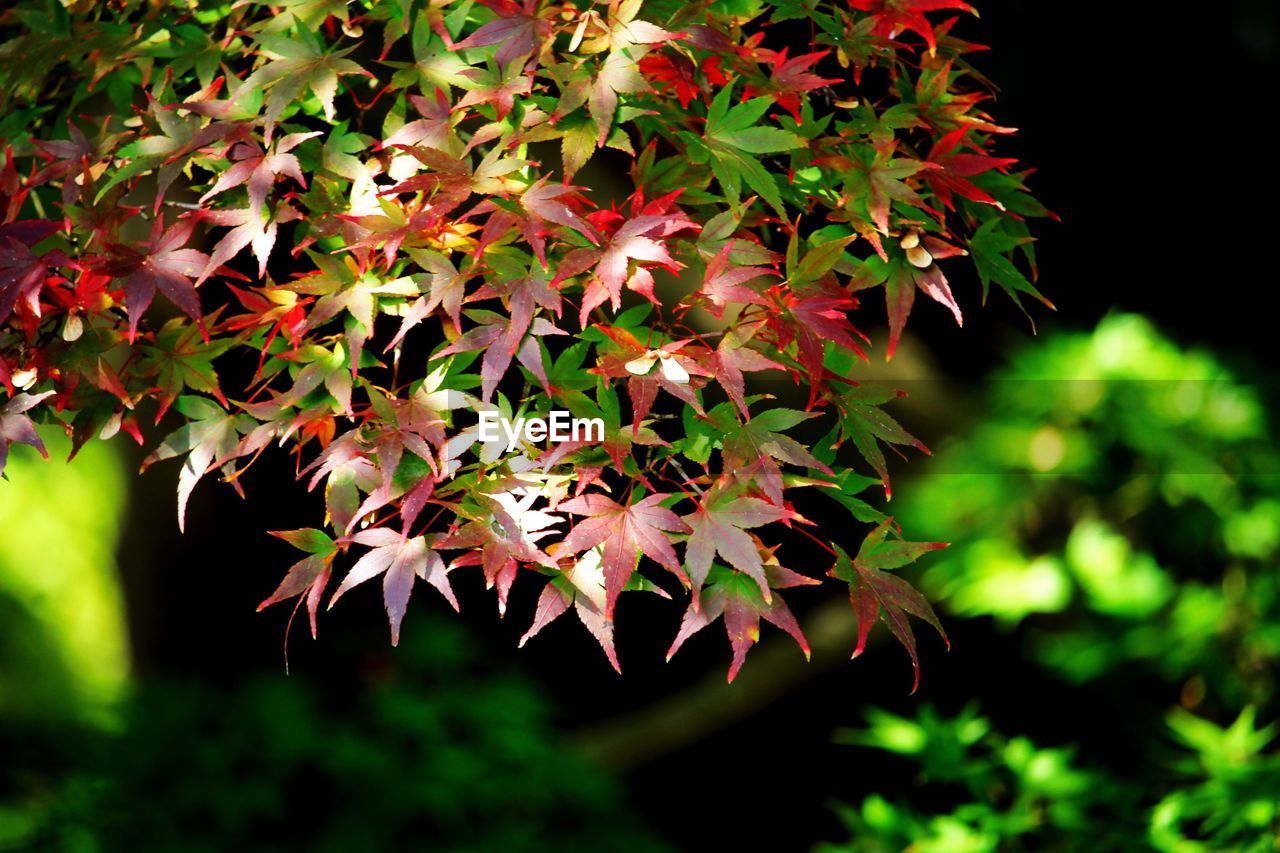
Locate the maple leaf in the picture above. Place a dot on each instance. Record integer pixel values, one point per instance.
(508, 533)
(279, 309)
(399, 559)
(310, 575)
(77, 161)
(863, 421)
(810, 319)
(504, 337)
(341, 285)
(905, 278)
(752, 450)
(211, 436)
(622, 31)
(738, 598)
(518, 29)
(166, 151)
(733, 140)
(626, 531)
(16, 426)
(875, 179)
(619, 75)
(943, 109)
(22, 275)
(724, 282)
(500, 90)
(954, 170)
(180, 358)
(258, 169)
(628, 42)
(719, 523)
(641, 239)
(635, 361)
(732, 358)
(893, 17)
(295, 64)
(348, 469)
(990, 246)
(542, 202)
(433, 130)
(450, 181)
(877, 594)
(789, 79)
(675, 70)
(247, 229)
(162, 264)
(414, 424)
(582, 586)
(445, 287)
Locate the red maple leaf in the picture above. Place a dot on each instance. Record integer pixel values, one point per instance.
(790, 79)
(812, 319)
(583, 586)
(641, 239)
(518, 29)
(627, 532)
(399, 559)
(954, 171)
(737, 597)
(647, 370)
(877, 593)
(502, 539)
(22, 275)
(918, 272)
(16, 427)
(160, 264)
(893, 17)
(259, 169)
(719, 523)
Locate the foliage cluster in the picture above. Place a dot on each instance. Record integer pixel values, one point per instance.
(360, 220)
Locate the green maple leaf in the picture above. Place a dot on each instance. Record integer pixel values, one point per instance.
(181, 358)
(876, 179)
(754, 449)
(990, 246)
(297, 64)
(866, 424)
(733, 141)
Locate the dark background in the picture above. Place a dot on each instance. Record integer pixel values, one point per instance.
(1148, 125)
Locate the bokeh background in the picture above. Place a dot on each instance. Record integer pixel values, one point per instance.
(1111, 485)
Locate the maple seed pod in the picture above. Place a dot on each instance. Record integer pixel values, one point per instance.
(642, 365)
(919, 257)
(24, 379)
(673, 370)
(910, 240)
(111, 427)
(73, 328)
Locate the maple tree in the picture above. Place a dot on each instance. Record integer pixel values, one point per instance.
(365, 214)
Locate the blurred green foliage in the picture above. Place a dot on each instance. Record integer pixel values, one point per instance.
(1121, 506)
(1119, 525)
(1006, 793)
(63, 645)
(430, 748)
(439, 752)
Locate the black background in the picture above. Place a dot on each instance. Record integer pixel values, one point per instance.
(1152, 132)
